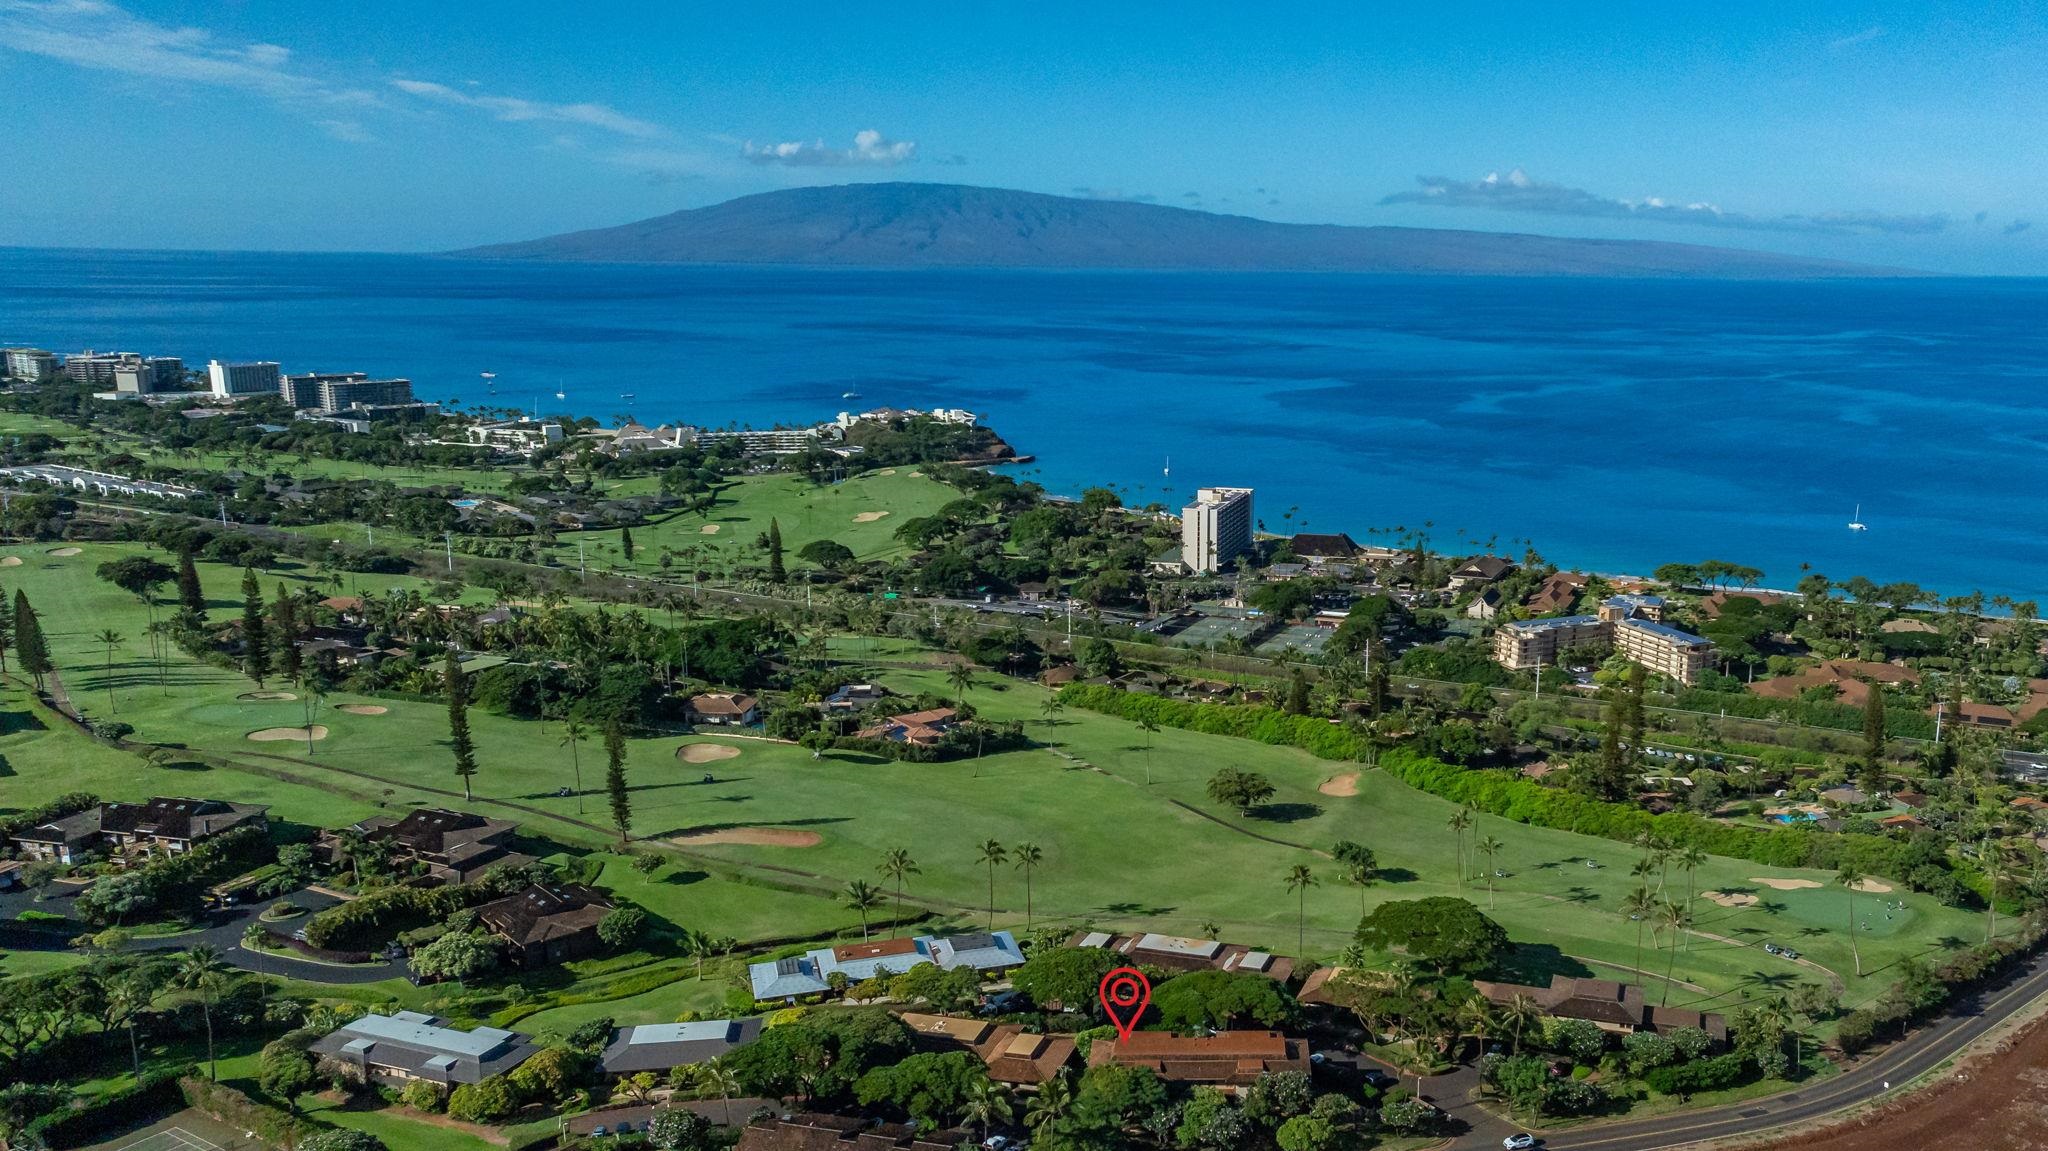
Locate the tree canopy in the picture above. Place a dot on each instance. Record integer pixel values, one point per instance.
(1442, 931)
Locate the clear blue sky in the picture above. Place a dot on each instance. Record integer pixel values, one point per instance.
(1913, 134)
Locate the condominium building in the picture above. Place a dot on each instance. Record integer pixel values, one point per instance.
(513, 435)
(90, 367)
(248, 379)
(33, 365)
(758, 441)
(1630, 625)
(339, 391)
(1216, 528)
(141, 377)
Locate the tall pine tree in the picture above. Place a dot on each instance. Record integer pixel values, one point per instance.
(284, 614)
(1873, 742)
(615, 779)
(776, 572)
(29, 644)
(255, 630)
(191, 597)
(456, 686)
(6, 629)
(626, 543)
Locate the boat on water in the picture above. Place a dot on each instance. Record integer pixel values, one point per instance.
(1856, 523)
(849, 395)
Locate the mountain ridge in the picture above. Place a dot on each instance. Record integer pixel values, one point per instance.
(919, 225)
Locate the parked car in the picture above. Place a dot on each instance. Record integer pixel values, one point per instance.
(1773, 949)
(1378, 1079)
(1519, 1141)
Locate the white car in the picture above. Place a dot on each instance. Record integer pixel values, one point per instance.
(1520, 1141)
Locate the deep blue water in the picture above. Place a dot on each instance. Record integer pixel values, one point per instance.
(1618, 424)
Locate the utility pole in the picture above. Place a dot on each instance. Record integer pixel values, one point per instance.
(448, 540)
(582, 572)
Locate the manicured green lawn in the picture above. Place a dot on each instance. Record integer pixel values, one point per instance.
(393, 1126)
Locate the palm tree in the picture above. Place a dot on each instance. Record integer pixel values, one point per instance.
(992, 853)
(962, 678)
(897, 865)
(987, 1104)
(1638, 905)
(1476, 1016)
(1489, 847)
(1851, 879)
(202, 970)
(714, 1074)
(1299, 880)
(573, 734)
(112, 640)
(1518, 1013)
(863, 897)
(1053, 1102)
(1690, 858)
(1051, 706)
(1150, 727)
(1029, 856)
(1460, 822)
(1679, 919)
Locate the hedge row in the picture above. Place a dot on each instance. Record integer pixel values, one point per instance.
(377, 917)
(1318, 737)
(1923, 991)
(1899, 722)
(139, 1102)
(235, 1109)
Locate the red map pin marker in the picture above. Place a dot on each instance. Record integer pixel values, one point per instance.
(1125, 993)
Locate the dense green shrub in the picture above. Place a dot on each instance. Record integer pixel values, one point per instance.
(1318, 737)
(379, 916)
(1716, 1074)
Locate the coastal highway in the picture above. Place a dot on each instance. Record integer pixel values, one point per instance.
(1968, 1020)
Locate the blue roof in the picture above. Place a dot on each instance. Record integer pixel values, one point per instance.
(1666, 631)
(807, 974)
(983, 951)
(1563, 621)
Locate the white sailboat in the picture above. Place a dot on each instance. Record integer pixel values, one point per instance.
(1168, 469)
(559, 393)
(1856, 523)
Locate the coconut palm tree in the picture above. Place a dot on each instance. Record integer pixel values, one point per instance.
(992, 853)
(1489, 847)
(1691, 858)
(1150, 727)
(1518, 1013)
(1639, 905)
(1299, 880)
(574, 733)
(1679, 919)
(1851, 879)
(962, 678)
(715, 1074)
(1029, 856)
(987, 1104)
(111, 639)
(863, 897)
(897, 865)
(1052, 1103)
(202, 970)
(1476, 1016)
(1461, 822)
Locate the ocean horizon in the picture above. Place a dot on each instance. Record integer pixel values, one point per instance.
(1617, 424)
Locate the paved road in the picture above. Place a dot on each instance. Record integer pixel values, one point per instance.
(223, 931)
(1968, 1020)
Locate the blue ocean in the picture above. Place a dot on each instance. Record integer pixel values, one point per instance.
(1616, 424)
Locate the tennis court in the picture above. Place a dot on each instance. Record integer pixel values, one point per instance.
(172, 1139)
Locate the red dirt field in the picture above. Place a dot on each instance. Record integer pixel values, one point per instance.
(1994, 1101)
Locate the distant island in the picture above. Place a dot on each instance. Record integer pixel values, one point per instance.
(912, 225)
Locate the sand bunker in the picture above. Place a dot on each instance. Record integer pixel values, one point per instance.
(65, 551)
(753, 837)
(1873, 886)
(266, 695)
(868, 517)
(709, 529)
(886, 472)
(10, 562)
(1730, 898)
(1785, 884)
(1346, 784)
(705, 752)
(282, 734)
(917, 475)
(363, 708)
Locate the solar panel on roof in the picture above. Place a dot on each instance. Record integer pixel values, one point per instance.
(791, 966)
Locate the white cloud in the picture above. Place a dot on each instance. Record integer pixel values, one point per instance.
(515, 110)
(1855, 38)
(870, 148)
(1516, 192)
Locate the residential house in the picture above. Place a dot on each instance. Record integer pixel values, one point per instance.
(63, 840)
(840, 1133)
(1637, 606)
(1851, 680)
(1485, 605)
(923, 728)
(547, 923)
(1059, 675)
(1558, 592)
(1012, 1054)
(665, 1046)
(397, 1049)
(1176, 953)
(853, 697)
(1480, 570)
(811, 973)
(1316, 549)
(1231, 1060)
(455, 846)
(173, 825)
(1618, 1007)
(723, 709)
